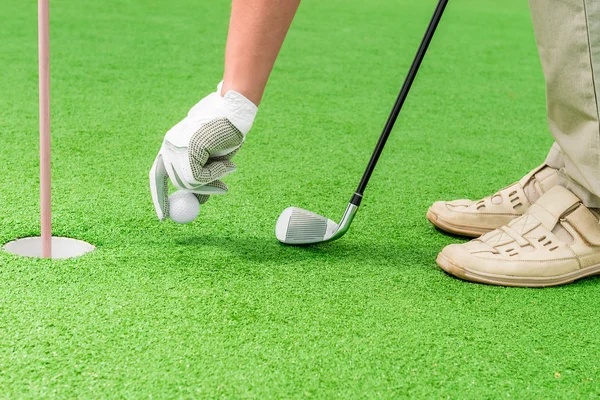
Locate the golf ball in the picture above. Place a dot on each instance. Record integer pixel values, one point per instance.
(183, 207)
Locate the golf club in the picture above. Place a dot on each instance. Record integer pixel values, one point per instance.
(297, 226)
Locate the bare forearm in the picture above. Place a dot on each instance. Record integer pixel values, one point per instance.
(256, 32)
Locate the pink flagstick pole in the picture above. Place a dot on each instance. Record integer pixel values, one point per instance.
(44, 75)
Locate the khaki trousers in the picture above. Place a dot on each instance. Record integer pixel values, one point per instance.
(568, 39)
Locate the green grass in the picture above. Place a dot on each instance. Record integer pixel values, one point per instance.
(219, 308)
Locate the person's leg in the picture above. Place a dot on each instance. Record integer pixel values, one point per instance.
(568, 37)
(558, 239)
(256, 32)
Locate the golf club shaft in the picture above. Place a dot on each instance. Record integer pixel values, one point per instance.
(412, 73)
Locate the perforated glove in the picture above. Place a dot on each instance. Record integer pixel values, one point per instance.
(196, 153)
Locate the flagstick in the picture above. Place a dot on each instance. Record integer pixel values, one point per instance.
(44, 76)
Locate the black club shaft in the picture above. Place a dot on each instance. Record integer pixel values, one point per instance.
(412, 73)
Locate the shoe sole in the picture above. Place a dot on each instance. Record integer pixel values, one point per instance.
(462, 230)
(516, 281)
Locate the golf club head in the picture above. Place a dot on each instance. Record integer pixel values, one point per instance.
(297, 226)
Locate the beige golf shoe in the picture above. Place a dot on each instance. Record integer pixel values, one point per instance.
(555, 242)
(474, 218)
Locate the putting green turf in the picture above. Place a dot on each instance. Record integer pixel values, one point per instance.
(219, 308)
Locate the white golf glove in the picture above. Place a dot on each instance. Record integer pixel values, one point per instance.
(196, 152)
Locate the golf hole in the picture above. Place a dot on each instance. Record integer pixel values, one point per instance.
(62, 247)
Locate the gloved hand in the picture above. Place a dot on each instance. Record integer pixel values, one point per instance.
(197, 151)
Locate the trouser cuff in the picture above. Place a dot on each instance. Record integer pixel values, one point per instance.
(556, 160)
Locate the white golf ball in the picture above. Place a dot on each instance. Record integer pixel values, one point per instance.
(183, 207)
